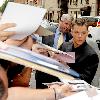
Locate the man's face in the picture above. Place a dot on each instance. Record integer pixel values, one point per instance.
(79, 34)
(64, 26)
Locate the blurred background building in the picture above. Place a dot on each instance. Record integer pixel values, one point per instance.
(83, 7)
(55, 8)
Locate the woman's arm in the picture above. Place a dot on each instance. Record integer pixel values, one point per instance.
(20, 93)
(55, 93)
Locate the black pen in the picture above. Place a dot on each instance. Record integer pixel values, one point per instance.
(74, 83)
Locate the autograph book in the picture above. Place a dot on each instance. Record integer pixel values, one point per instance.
(36, 61)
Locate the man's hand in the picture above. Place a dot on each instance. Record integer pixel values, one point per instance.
(15, 42)
(62, 90)
(40, 49)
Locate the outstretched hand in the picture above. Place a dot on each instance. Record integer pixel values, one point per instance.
(4, 35)
(62, 90)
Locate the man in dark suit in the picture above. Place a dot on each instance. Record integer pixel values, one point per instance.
(63, 29)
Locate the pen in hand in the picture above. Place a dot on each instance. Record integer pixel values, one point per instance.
(53, 83)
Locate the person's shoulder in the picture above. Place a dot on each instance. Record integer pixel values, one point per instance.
(48, 40)
(49, 36)
(53, 28)
(91, 54)
(67, 43)
(66, 46)
(90, 50)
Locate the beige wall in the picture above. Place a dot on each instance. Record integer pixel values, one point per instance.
(72, 8)
(50, 5)
(93, 4)
(20, 1)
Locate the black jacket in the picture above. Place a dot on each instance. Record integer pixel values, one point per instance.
(86, 60)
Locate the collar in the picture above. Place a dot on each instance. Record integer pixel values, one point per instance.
(57, 31)
(80, 47)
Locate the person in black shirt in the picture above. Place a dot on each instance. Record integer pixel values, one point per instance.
(86, 59)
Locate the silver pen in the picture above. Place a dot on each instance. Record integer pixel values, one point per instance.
(58, 83)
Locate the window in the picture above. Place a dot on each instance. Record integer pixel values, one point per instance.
(71, 12)
(70, 2)
(75, 2)
(81, 1)
(75, 12)
(87, 1)
(79, 12)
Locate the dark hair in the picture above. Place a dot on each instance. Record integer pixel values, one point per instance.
(4, 63)
(2, 89)
(80, 22)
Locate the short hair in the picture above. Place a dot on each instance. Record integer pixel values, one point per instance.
(67, 17)
(80, 22)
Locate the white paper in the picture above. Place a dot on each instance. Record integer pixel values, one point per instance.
(27, 18)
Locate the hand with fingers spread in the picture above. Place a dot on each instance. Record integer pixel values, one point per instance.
(40, 49)
(5, 34)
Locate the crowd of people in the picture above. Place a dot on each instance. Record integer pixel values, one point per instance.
(74, 35)
(24, 93)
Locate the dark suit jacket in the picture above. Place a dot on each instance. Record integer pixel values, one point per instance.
(49, 40)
